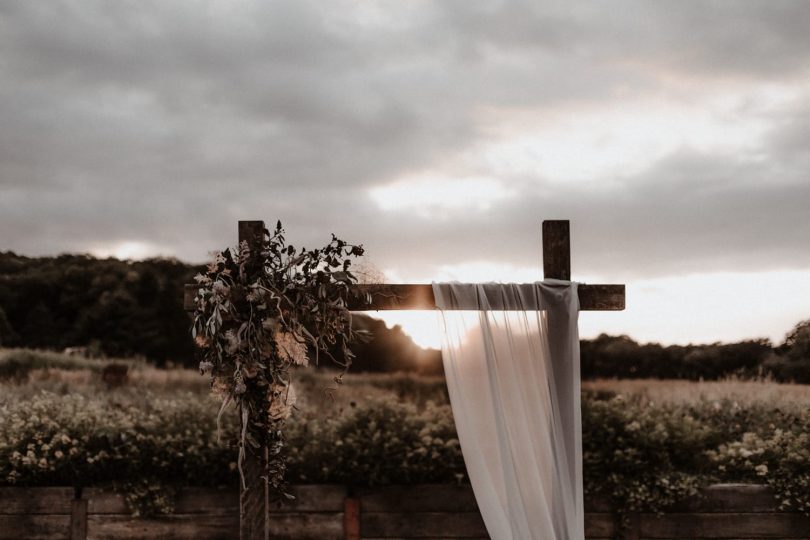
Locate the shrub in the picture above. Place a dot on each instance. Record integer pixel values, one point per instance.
(642, 457)
(385, 443)
(78, 441)
(780, 457)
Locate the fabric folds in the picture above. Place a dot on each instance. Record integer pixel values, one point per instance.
(511, 359)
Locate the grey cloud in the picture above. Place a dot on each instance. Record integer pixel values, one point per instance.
(168, 122)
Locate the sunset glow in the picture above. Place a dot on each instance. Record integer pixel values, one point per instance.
(127, 250)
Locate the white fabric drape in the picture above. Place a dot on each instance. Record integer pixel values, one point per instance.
(511, 359)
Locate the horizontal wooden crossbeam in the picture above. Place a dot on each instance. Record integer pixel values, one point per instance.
(420, 296)
(556, 265)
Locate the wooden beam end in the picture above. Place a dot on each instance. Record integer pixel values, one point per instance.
(557, 249)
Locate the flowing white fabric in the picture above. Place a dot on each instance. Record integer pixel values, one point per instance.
(511, 358)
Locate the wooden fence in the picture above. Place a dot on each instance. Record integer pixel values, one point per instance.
(322, 512)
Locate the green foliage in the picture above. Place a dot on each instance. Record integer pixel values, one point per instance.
(127, 307)
(385, 443)
(622, 357)
(79, 441)
(260, 310)
(7, 333)
(794, 362)
(640, 456)
(780, 456)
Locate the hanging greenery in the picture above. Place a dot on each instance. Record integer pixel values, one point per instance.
(262, 311)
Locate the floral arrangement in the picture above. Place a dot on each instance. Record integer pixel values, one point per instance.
(262, 309)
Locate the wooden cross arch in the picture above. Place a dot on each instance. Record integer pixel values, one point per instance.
(254, 501)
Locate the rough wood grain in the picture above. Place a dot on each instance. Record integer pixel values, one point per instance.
(102, 501)
(78, 519)
(308, 526)
(196, 500)
(254, 500)
(597, 297)
(557, 249)
(35, 527)
(419, 296)
(556, 265)
(419, 525)
(174, 527)
(724, 525)
(424, 511)
(42, 500)
(432, 498)
(598, 525)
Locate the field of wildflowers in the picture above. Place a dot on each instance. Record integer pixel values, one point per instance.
(644, 446)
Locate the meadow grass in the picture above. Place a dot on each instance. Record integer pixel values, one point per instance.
(24, 373)
(743, 392)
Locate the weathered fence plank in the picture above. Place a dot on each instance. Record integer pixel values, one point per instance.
(307, 526)
(44, 500)
(724, 525)
(432, 498)
(189, 501)
(35, 527)
(599, 525)
(174, 527)
(422, 524)
(198, 500)
(426, 511)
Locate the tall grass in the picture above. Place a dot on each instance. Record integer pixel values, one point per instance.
(743, 392)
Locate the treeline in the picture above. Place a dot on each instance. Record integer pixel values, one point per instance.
(125, 308)
(135, 308)
(624, 358)
(113, 307)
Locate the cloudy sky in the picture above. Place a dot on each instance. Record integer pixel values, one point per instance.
(675, 136)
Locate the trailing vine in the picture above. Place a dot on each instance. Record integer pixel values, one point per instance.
(262, 309)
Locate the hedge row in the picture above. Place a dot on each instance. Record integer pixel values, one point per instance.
(641, 455)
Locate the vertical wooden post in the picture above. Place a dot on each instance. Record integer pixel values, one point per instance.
(351, 518)
(254, 501)
(557, 249)
(78, 519)
(252, 232)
